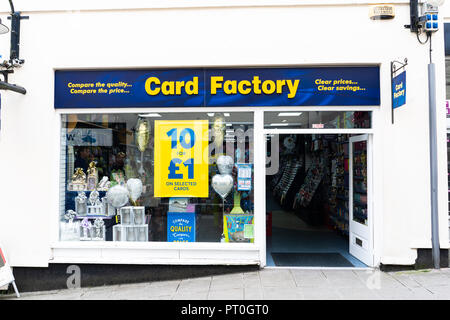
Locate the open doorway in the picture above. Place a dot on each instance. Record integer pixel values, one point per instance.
(317, 201)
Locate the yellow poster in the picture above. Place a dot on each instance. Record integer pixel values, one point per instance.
(181, 158)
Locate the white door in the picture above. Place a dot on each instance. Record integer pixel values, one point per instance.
(360, 209)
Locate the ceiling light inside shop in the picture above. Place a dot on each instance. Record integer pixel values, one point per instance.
(284, 124)
(289, 114)
(210, 114)
(226, 114)
(150, 115)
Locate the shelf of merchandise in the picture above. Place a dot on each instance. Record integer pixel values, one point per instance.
(340, 216)
(93, 217)
(359, 187)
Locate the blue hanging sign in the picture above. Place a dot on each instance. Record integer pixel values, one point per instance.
(210, 87)
(399, 90)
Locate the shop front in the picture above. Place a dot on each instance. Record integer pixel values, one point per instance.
(194, 141)
(170, 168)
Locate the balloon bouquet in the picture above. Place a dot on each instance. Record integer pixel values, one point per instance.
(118, 196)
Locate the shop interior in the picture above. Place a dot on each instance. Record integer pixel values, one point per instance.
(307, 199)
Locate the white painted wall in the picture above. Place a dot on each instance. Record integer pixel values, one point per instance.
(247, 33)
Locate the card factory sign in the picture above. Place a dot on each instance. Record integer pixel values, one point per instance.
(399, 90)
(210, 87)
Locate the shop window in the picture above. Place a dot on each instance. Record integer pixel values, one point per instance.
(172, 177)
(317, 120)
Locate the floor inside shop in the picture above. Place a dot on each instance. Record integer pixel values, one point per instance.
(311, 232)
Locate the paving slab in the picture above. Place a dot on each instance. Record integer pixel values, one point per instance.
(253, 293)
(432, 278)
(289, 293)
(357, 294)
(344, 279)
(321, 294)
(190, 296)
(194, 285)
(310, 278)
(226, 294)
(277, 278)
(224, 283)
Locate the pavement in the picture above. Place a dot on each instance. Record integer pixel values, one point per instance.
(272, 284)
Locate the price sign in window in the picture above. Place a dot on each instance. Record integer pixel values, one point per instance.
(181, 158)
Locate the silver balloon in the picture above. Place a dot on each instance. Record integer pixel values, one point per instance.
(117, 196)
(134, 187)
(222, 184)
(225, 164)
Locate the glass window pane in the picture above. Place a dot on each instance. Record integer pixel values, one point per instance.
(176, 177)
(317, 120)
(360, 182)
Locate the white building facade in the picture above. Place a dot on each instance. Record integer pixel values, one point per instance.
(110, 36)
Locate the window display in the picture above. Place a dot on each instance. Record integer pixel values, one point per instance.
(173, 177)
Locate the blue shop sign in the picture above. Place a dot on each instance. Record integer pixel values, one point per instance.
(211, 87)
(399, 90)
(181, 226)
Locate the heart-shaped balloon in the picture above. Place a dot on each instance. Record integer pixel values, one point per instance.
(117, 196)
(222, 184)
(225, 164)
(134, 187)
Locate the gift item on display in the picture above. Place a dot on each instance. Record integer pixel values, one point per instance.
(225, 164)
(142, 140)
(244, 177)
(92, 176)
(117, 196)
(218, 130)
(117, 177)
(234, 226)
(78, 182)
(138, 215)
(178, 204)
(108, 209)
(132, 225)
(130, 232)
(81, 204)
(222, 184)
(96, 207)
(237, 204)
(70, 229)
(85, 229)
(134, 187)
(98, 230)
(104, 184)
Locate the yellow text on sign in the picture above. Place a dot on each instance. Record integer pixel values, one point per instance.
(181, 158)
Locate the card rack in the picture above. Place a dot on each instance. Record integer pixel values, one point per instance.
(340, 191)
